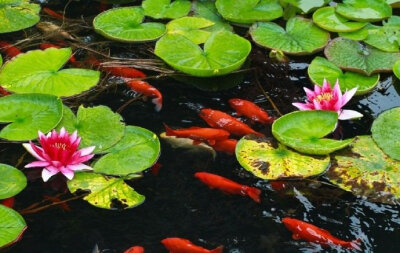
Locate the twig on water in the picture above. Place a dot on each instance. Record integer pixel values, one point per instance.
(266, 95)
(31, 209)
(122, 107)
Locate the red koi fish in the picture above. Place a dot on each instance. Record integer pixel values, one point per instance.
(44, 46)
(53, 14)
(8, 202)
(103, 6)
(180, 245)
(277, 185)
(9, 49)
(250, 110)
(228, 186)
(147, 90)
(155, 169)
(311, 233)
(198, 134)
(121, 71)
(219, 119)
(228, 146)
(135, 249)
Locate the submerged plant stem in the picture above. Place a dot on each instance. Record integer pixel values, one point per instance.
(266, 96)
(130, 101)
(33, 209)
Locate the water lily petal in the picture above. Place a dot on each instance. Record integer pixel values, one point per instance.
(310, 94)
(317, 105)
(349, 114)
(37, 164)
(80, 166)
(46, 174)
(302, 106)
(87, 150)
(326, 86)
(81, 159)
(28, 147)
(348, 95)
(67, 172)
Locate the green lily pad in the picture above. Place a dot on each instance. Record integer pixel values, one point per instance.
(249, 11)
(126, 25)
(165, 9)
(28, 113)
(16, 15)
(12, 181)
(394, 3)
(321, 68)
(38, 71)
(138, 150)
(12, 225)
(365, 170)
(304, 132)
(364, 10)
(68, 120)
(306, 5)
(328, 19)
(354, 56)
(206, 9)
(105, 192)
(191, 28)
(301, 36)
(116, 1)
(1, 60)
(97, 126)
(386, 132)
(267, 159)
(396, 68)
(217, 58)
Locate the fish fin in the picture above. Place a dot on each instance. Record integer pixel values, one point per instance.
(296, 236)
(355, 244)
(168, 131)
(158, 103)
(254, 194)
(217, 250)
(259, 134)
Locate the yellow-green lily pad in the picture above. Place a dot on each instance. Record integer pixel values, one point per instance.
(12, 181)
(206, 9)
(328, 19)
(16, 15)
(12, 225)
(165, 9)
(191, 28)
(396, 69)
(364, 10)
(267, 159)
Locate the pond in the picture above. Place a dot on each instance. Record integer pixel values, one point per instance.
(177, 204)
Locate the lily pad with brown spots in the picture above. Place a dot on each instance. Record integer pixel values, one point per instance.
(267, 159)
(365, 170)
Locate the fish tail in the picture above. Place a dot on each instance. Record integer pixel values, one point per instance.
(254, 194)
(355, 244)
(158, 102)
(259, 134)
(217, 250)
(169, 131)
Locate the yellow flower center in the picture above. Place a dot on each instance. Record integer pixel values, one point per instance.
(62, 146)
(326, 96)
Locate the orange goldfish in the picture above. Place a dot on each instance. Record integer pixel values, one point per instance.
(250, 110)
(180, 245)
(199, 134)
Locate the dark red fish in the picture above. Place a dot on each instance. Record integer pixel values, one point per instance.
(3, 92)
(155, 169)
(8, 202)
(121, 71)
(44, 46)
(219, 119)
(53, 14)
(277, 185)
(135, 249)
(198, 134)
(147, 90)
(180, 245)
(250, 110)
(9, 49)
(228, 186)
(228, 146)
(311, 233)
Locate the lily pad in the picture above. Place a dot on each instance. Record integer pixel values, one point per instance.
(1, 61)
(396, 69)
(126, 25)
(354, 56)
(105, 192)
(12, 181)
(364, 10)
(249, 11)
(386, 132)
(306, 5)
(68, 120)
(191, 28)
(301, 36)
(267, 159)
(365, 170)
(16, 15)
(304, 132)
(328, 19)
(394, 3)
(165, 9)
(28, 113)
(321, 68)
(138, 150)
(12, 225)
(38, 71)
(206, 9)
(223, 53)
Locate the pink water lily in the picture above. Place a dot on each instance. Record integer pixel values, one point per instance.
(59, 153)
(326, 98)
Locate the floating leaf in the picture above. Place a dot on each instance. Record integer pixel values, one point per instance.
(28, 113)
(135, 152)
(16, 15)
(206, 9)
(267, 159)
(354, 56)
(364, 10)
(125, 25)
(191, 28)
(329, 20)
(115, 1)
(165, 9)
(1, 61)
(396, 68)
(386, 132)
(38, 71)
(321, 68)
(306, 5)
(223, 53)
(394, 3)
(12, 181)
(12, 225)
(365, 170)
(304, 132)
(300, 38)
(68, 120)
(249, 11)
(105, 192)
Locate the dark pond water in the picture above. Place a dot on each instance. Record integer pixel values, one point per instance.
(178, 205)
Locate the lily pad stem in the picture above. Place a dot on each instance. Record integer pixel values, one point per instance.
(266, 95)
